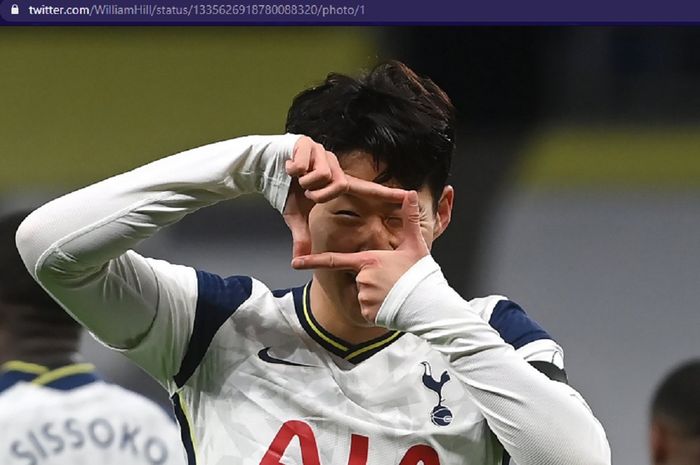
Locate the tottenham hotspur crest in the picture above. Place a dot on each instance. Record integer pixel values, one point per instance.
(441, 415)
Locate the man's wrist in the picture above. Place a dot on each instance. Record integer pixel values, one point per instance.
(388, 314)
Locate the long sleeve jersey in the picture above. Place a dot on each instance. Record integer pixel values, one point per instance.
(255, 379)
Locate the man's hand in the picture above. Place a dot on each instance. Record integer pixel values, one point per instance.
(377, 270)
(317, 178)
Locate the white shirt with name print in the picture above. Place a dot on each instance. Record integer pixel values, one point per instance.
(68, 416)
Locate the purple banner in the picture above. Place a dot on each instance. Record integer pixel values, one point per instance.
(349, 12)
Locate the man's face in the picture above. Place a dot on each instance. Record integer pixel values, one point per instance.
(670, 445)
(353, 224)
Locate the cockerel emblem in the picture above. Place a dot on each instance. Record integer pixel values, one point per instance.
(440, 415)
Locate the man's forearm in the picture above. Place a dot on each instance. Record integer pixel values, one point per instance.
(75, 245)
(538, 421)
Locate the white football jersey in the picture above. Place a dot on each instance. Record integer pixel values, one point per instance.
(262, 383)
(68, 416)
(256, 380)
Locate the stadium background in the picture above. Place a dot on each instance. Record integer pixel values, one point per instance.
(577, 174)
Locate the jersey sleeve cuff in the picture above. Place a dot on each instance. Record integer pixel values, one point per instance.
(276, 181)
(388, 312)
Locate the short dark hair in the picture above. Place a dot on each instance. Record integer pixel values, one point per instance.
(678, 398)
(400, 118)
(18, 288)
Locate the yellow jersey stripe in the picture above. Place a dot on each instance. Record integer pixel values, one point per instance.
(315, 328)
(62, 372)
(376, 345)
(25, 367)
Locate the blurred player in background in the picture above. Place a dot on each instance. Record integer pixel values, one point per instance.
(376, 361)
(675, 417)
(54, 409)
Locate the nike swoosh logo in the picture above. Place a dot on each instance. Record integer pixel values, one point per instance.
(266, 357)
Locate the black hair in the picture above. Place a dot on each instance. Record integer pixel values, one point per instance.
(678, 398)
(401, 119)
(19, 290)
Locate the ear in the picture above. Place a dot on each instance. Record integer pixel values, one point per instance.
(444, 211)
(658, 442)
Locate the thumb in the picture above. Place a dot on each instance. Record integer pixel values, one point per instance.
(301, 238)
(410, 209)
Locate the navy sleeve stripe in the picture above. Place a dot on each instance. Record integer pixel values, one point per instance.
(217, 299)
(506, 458)
(514, 326)
(551, 371)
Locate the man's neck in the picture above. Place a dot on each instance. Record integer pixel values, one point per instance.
(333, 314)
(44, 353)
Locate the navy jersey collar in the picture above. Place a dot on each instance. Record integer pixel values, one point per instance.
(354, 353)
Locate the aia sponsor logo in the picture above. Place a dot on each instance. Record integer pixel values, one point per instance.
(359, 448)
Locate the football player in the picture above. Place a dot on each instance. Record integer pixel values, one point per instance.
(376, 361)
(675, 417)
(54, 408)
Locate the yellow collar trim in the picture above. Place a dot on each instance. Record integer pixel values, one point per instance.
(62, 372)
(373, 346)
(25, 367)
(335, 344)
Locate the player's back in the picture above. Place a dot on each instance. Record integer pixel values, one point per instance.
(69, 416)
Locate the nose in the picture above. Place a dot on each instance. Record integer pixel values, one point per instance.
(378, 235)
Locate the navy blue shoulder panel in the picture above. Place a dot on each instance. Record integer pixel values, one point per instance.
(514, 326)
(279, 293)
(12, 377)
(66, 383)
(217, 299)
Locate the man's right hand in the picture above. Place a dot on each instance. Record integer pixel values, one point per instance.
(376, 271)
(318, 178)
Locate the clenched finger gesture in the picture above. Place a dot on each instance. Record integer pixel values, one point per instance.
(317, 178)
(377, 270)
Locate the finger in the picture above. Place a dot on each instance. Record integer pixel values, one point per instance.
(338, 186)
(410, 210)
(301, 159)
(320, 174)
(300, 247)
(332, 260)
(301, 238)
(326, 194)
(292, 169)
(336, 170)
(362, 188)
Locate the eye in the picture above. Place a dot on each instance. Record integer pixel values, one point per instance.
(349, 213)
(394, 221)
